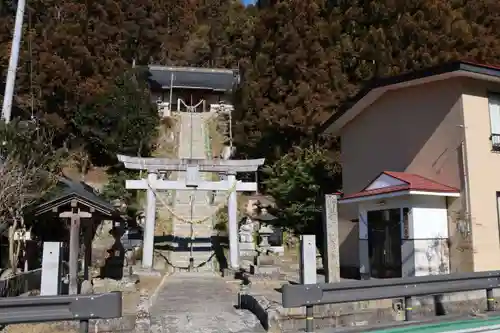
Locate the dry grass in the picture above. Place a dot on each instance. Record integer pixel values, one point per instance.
(131, 299)
(38, 328)
(217, 138)
(166, 143)
(164, 225)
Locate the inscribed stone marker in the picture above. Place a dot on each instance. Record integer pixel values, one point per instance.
(331, 260)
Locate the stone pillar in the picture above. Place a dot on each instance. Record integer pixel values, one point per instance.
(149, 226)
(331, 260)
(232, 212)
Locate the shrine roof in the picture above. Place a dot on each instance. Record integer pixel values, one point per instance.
(215, 79)
(389, 183)
(67, 190)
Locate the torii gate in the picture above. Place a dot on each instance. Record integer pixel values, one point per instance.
(192, 167)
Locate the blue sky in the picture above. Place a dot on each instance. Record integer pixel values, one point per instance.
(247, 2)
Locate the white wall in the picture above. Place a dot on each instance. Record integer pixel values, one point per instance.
(425, 250)
(430, 235)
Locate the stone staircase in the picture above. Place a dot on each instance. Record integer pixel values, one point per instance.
(193, 129)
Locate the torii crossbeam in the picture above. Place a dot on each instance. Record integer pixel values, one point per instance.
(192, 167)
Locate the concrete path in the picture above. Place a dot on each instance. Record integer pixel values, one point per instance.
(200, 303)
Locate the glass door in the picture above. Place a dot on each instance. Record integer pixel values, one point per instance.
(384, 243)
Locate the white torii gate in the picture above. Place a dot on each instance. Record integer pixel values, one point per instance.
(192, 167)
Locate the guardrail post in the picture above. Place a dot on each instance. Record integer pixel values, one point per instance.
(439, 306)
(309, 319)
(84, 326)
(408, 309)
(308, 272)
(490, 300)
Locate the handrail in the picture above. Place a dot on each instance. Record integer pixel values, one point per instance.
(20, 310)
(308, 295)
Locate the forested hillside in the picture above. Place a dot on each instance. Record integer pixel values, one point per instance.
(299, 58)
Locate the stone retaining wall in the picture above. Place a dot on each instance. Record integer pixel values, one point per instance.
(276, 319)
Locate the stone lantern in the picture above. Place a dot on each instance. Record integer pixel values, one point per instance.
(264, 232)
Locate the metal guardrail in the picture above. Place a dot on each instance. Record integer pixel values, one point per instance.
(308, 295)
(21, 283)
(24, 310)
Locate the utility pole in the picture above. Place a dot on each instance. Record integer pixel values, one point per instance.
(14, 57)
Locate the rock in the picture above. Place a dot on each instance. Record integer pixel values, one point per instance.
(87, 287)
(265, 260)
(6, 274)
(130, 257)
(132, 278)
(108, 285)
(143, 318)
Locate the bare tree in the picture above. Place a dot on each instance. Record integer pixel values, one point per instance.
(26, 174)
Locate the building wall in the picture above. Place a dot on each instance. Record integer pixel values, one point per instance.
(484, 174)
(415, 129)
(418, 130)
(348, 248)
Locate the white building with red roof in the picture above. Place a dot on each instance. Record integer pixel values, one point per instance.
(420, 171)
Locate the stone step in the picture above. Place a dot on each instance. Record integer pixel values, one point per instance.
(192, 144)
(196, 227)
(184, 261)
(203, 225)
(187, 254)
(178, 247)
(197, 233)
(187, 234)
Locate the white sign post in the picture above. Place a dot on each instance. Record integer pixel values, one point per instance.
(308, 271)
(51, 266)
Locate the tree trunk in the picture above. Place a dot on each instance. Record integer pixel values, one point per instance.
(12, 258)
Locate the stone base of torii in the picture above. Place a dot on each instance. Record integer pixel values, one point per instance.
(192, 181)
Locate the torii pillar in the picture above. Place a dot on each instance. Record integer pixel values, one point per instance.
(75, 215)
(192, 166)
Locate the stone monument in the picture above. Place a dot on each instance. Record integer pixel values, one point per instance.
(331, 260)
(246, 238)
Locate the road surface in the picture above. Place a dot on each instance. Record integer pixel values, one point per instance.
(200, 303)
(488, 324)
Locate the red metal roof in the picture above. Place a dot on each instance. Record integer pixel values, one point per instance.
(474, 63)
(411, 182)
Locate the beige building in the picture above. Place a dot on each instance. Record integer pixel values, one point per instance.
(421, 172)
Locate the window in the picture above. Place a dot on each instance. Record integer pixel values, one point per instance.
(494, 107)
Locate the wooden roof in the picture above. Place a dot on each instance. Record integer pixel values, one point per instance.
(68, 190)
